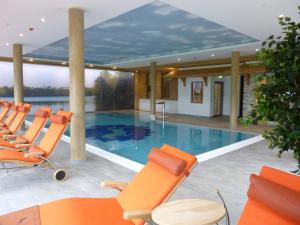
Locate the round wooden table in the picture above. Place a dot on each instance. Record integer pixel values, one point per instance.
(188, 212)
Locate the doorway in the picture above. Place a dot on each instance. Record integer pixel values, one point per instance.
(218, 98)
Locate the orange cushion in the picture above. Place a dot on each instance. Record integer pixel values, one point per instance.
(153, 184)
(168, 162)
(4, 143)
(7, 104)
(81, 211)
(18, 157)
(42, 114)
(255, 213)
(15, 107)
(21, 139)
(23, 109)
(58, 119)
(278, 198)
(288, 180)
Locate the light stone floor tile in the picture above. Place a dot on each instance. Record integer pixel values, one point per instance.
(229, 173)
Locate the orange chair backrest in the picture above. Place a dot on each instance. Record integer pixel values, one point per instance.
(279, 177)
(255, 212)
(54, 133)
(5, 108)
(154, 184)
(20, 117)
(38, 123)
(12, 115)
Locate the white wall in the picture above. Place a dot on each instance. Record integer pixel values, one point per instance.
(185, 106)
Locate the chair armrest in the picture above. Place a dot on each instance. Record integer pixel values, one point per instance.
(35, 154)
(5, 131)
(114, 184)
(18, 142)
(10, 136)
(23, 145)
(137, 214)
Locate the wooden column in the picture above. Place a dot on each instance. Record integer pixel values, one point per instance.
(153, 89)
(137, 85)
(18, 73)
(158, 85)
(77, 86)
(235, 80)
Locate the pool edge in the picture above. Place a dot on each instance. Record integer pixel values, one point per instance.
(228, 148)
(135, 166)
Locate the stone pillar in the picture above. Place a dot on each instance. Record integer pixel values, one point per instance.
(235, 80)
(18, 73)
(77, 86)
(153, 90)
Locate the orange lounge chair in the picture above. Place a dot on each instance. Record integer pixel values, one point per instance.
(38, 155)
(17, 121)
(40, 119)
(273, 199)
(5, 110)
(153, 185)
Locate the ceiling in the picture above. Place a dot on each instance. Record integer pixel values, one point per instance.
(139, 31)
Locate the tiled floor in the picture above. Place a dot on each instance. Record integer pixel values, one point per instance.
(229, 173)
(214, 122)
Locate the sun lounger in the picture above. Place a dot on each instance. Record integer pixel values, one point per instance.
(41, 117)
(154, 184)
(38, 155)
(17, 121)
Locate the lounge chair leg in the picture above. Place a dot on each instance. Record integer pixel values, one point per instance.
(227, 214)
(59, 174)
(150, 221)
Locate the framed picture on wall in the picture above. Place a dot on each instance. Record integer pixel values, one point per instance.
(197, 92)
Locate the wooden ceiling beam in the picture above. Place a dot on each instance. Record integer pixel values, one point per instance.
(219, 71)
(60, 63)
(208, 62)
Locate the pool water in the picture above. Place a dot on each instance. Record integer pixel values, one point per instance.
(132, 136)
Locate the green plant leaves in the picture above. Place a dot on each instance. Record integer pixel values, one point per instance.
(278, 99)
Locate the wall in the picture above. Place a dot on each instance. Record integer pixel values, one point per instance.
(249, 99)
(184, 106)
(184, 98)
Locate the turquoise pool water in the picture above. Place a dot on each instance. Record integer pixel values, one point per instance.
(132, 136)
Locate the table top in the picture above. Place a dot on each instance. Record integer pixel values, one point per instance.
(188, 212)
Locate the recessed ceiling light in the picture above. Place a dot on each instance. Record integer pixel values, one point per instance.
(91, 65)
(220, 77)
(21, 35)
(6, 44)
(281, 16)
(212, 55)
(43, 20)
(114, 67)
(64, 63)
(257, 49)
(179, 59)
(31, 59)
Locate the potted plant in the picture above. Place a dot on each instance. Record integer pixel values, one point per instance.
(278, 98)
